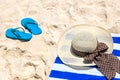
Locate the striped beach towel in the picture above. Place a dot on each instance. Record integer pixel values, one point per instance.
(61, 71)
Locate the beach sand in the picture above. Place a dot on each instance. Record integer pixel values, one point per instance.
(33, 60)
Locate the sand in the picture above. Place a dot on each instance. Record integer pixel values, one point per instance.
(33, 60)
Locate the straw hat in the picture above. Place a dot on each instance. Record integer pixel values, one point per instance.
(82, 38)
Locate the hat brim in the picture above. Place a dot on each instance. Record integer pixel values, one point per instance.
(64, 44)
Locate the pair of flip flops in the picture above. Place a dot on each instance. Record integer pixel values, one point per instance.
(19, 33)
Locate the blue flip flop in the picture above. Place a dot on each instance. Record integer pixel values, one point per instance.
(31, 25)
(15, 33)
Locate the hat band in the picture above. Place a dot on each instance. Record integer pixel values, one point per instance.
(108, 64)
(79, 53)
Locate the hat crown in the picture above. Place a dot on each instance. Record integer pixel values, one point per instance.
(84, 41)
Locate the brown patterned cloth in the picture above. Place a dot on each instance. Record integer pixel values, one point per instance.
(108, 64)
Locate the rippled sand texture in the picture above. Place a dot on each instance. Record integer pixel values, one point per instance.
(33, 60)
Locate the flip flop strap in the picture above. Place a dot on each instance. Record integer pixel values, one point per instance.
(15, 30)
(31, 22)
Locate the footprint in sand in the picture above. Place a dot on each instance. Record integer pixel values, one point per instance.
(21, 64)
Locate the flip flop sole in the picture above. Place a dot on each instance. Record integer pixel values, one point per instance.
(31, 25)
(19, 35)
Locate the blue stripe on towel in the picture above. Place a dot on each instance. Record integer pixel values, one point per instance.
(57, 60)
(75, 76)
(116, 39)
(116, 52)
